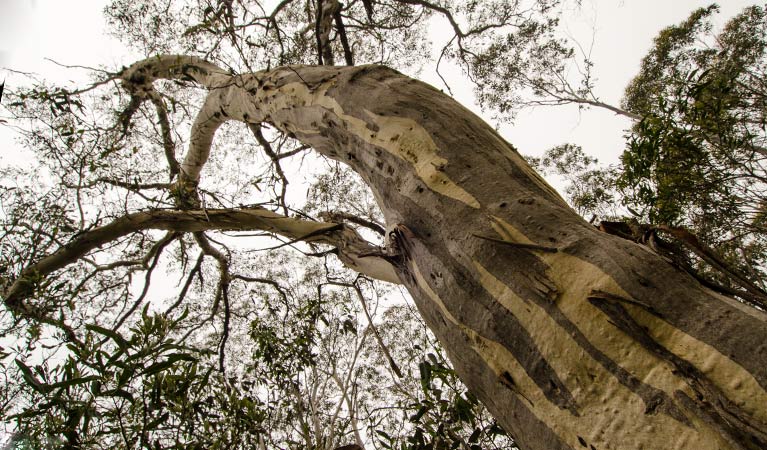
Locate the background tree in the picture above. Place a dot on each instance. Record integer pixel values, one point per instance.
(539, 321)
(692, 173)
(696, 159)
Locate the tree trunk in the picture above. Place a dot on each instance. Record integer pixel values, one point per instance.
(571, 337)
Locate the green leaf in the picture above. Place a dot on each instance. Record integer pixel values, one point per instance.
(421, 411)
(30, 378)
(158, 367)
(119, 393)
(125, 375)
(153, 424)
(425, 374)
(384, 434)
(463, 410)
(119, 340)
(175, 357)
(73, 382)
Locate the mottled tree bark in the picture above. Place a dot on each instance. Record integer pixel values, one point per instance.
(571, 337)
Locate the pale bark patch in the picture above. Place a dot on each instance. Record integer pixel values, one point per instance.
(611, 414)
(402, 137)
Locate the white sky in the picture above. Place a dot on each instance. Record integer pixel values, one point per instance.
(621, 32)
(71, 32)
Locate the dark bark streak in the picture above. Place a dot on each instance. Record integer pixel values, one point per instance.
(711, 404)
(510, 407)
(540, 248)
(654, 399)
(485, 315)
(679, 300)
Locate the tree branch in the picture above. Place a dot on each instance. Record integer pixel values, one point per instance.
(267, 146)
(348, 56)
(167, 140)
(379, 339)
(352, 249)
(326, 10)
(222, 292)
(339, 216)
(174, 67)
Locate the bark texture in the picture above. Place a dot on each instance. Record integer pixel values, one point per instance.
(573, 338)
(599, 345)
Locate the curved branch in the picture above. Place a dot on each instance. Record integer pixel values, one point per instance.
(174, 67)
(353, 251)
(267, 147)
(444, 11)
(340, 216)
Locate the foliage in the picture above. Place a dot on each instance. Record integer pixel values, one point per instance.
(589, 188)
(696, 158)
(698, 145)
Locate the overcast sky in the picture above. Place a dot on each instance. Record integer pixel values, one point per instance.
(72, 32)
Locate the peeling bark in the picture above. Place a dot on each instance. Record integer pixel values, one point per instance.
(571, 337)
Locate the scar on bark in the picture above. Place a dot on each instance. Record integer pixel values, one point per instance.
(506, 380)
(596, 296)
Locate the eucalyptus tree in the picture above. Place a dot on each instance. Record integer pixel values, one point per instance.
(571, 337)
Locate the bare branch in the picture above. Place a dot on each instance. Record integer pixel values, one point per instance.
(348, 56)
(339, 216)
(195, 270)
(318, 31)
(174, 67)
(326, 10)
(267, 146)
(222, 292)
(273, 283)
(354, 251)
(379, 339)
(167, 139)
(132, 186)
(155, 251)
